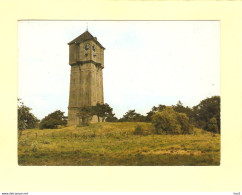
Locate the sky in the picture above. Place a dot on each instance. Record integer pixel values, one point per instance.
(146, 63)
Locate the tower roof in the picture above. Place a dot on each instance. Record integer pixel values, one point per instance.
(84, 37)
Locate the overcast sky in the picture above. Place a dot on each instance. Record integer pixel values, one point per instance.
(146, 63)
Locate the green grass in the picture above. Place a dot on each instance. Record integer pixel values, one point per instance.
(114, 144)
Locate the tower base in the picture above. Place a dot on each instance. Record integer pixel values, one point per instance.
(73, 120)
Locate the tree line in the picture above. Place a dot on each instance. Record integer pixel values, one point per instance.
(178, 118)
(205, 115)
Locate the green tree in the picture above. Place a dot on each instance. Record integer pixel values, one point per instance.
(183, 120)
(85, 114)
(165, 121)
(103, 111)
(111, 118)
(52, 120)
(26, 120)
(205, 110)
(98, 110)
(154, 110)
(132, 116)
(171, 122)
(212, 125)
(182, 109)
(158, 108)
(106, 111)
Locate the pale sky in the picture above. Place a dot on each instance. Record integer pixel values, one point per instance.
(146, 63)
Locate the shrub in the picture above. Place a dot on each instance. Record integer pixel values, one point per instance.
(85, 115)
(26, 120)
(166, 121)
(206, 110)
(171, 122)
(183, 120)
(212, 125)
(139, 130)
(111, 119)
(53, 120)
(132, 116)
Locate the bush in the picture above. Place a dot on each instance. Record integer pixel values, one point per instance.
(132, 116)
(166, 121)
(206, 110)
(171, 122)
(85, 115)
(49, 124)
(212, 125)
(111, 119)
(26, 120)
(139, 130)
(53, 120)
(183, 120)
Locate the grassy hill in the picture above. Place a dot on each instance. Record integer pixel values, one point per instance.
(115, 144)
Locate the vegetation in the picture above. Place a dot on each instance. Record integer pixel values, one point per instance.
(205, 111)
(205, 115)
(106, 112)
(53, 120)
(170, 122)
(85, 114)
(132, 116)
(199, 116)
(167, 135)
(154, 110)
(141, 130)
(111, 118)
(103, 111)
(212, 125)
(26, 120)
(117, 144)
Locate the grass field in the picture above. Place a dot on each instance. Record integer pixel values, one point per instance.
(114, 144)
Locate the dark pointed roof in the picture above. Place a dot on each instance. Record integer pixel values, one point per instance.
(84, 37)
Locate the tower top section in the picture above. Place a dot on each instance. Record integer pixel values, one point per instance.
(85, 37)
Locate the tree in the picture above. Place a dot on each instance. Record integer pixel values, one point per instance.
(111, 118)
(52, 120)
(132, 116)
(212, 125)
(26, 120)
(139, 118)
(85, 114)
(171, 122)
(206, 110)
(98, 110)
(149, 115)
(183, 120)
(154, 110)
(103, 111)
(159, 108)
(182, 109)
(106, 111)
(165, 121)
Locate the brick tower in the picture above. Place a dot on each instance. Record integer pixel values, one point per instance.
(86, 58)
